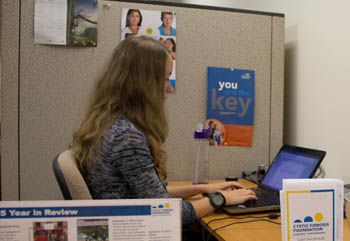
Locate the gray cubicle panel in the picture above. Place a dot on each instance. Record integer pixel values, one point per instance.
(45, 89)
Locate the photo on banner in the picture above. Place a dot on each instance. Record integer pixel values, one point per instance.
(230, 106)
(156, 24)
(50, 230)
(92, 229)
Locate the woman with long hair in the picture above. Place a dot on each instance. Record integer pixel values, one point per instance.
(119, 145)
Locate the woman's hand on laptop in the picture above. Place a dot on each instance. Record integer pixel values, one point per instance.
(238, 196)
(220, 186)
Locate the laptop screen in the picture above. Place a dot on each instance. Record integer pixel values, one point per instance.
(291, 163)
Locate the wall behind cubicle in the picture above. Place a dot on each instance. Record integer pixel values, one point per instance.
(45, 89)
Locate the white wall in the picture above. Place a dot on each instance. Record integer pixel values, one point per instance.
(317, 40)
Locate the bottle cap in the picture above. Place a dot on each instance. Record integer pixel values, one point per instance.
(199, 126)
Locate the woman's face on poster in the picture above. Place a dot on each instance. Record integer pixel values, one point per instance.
(169, 44)
(134, 17)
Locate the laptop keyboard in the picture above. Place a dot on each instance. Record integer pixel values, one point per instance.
(264, 199)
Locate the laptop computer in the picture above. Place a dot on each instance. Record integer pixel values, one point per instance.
(290, 162)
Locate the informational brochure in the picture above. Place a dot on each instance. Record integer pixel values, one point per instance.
(230, 106)
(78, 220)
(312, 209)
(66, 22)
(160, 25)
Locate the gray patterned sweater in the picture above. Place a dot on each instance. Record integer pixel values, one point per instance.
(126, 170)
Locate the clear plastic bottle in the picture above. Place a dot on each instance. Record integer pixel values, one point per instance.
(201, 168)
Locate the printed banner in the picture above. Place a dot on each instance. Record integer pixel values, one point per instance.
(81, 220)
(230, 106)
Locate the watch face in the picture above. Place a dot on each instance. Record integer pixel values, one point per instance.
(217, 200)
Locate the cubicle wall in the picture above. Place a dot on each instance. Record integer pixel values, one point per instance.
(45, 89)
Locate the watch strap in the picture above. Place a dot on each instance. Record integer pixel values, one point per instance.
(212, 197)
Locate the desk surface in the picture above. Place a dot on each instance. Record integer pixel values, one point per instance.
(260, 230)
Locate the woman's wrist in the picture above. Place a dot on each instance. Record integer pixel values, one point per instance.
(224, 194)
(202, 188)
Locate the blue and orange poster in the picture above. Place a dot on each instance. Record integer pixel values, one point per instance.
(230, 106)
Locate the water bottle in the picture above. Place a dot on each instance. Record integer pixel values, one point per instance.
(260, 173)
(201, 168)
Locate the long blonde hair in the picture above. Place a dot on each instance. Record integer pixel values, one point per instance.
(131, 85)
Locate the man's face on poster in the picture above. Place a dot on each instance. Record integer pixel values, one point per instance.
(167, 19)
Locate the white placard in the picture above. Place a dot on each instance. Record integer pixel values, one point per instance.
(312, 209)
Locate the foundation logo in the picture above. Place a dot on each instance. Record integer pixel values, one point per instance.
(163, 209)
(318, 217)
(246, 76)
(310, 225)
(160, 206)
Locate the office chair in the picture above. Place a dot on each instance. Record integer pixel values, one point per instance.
(69, 178)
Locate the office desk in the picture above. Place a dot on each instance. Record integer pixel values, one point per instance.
(256, 231)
